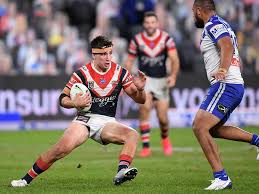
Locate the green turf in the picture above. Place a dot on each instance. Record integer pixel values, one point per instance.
(187, 171)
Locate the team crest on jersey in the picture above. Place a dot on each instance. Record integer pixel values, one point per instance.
(91, 84)
(152, 44)
(102, 81)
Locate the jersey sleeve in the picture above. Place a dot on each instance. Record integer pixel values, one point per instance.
(217, 31)
(127, 78)
(170, 44)
(132, 50)
(76, 77)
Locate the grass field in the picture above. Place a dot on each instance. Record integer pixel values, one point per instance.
(187, 171)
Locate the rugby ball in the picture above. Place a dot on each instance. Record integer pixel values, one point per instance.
(80, 88)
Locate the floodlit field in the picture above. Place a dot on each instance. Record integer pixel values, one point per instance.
(187, 171)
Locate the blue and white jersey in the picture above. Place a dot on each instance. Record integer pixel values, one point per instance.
(215, 29)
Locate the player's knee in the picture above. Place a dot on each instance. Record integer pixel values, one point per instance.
(132, 136)
(163, 124)
(214, 133)
(62, 150)
(196, 127)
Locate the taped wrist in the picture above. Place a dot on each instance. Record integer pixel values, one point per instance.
(62, 95)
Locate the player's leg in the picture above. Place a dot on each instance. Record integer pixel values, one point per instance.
(213, 112)
(117, 133)
(236, 134)
(162, 114)
(144, 117)
(74, 136)
(233, 133)
(202, 123)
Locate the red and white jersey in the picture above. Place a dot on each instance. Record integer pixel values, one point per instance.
(152, 52)
(104, 87)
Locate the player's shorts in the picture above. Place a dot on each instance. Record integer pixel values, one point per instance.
(222, 99)
(158, 87)
(95, 124)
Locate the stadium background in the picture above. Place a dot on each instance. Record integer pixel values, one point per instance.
(44, 41)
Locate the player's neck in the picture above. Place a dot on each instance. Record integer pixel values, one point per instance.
(100, 70)
(152, 36)
(208, 16)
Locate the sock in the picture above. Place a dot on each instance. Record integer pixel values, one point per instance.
(125, 161)
(164, 133)
(221, 175)
(145, 135)
(255, 140)
(38, 167)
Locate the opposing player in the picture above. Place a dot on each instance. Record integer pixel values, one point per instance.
(219, 49)
(152, 47)
(105, 79)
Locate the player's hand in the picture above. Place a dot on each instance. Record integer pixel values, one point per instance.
(140, 80)
(220, 74)
(82, 100)
(171, 80)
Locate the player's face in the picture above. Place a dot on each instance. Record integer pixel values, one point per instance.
(150, 25)
(103, 60)
(199, 23)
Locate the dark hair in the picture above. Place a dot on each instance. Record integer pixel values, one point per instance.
(101, 42)
(207, 4)
(150, 14)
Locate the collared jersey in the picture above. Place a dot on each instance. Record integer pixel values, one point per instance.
(152, 53)
(215, 29)
(105, 87)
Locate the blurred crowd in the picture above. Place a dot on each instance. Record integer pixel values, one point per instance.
(51, 37)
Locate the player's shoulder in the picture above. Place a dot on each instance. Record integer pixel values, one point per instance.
(83, 68)
(137, 36)
(164, 33)
(215, 21)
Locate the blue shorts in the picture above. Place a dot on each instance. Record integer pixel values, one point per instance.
(222, 99)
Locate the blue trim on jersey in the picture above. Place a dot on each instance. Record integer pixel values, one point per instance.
(222, 99)
(226, 34)
(216, 20)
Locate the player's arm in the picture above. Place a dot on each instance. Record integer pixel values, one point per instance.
(80, 100)
(226, 53)
(132, 53)
(174, 61)
(136, 88)
(129, 62)
(64, 99)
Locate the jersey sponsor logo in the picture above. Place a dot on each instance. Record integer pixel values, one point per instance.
(104, 101)
(82, 118)
(154, 61)
(217, 30)
(235, 62)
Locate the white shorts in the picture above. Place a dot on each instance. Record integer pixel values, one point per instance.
(158, 87)
(95, 124)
